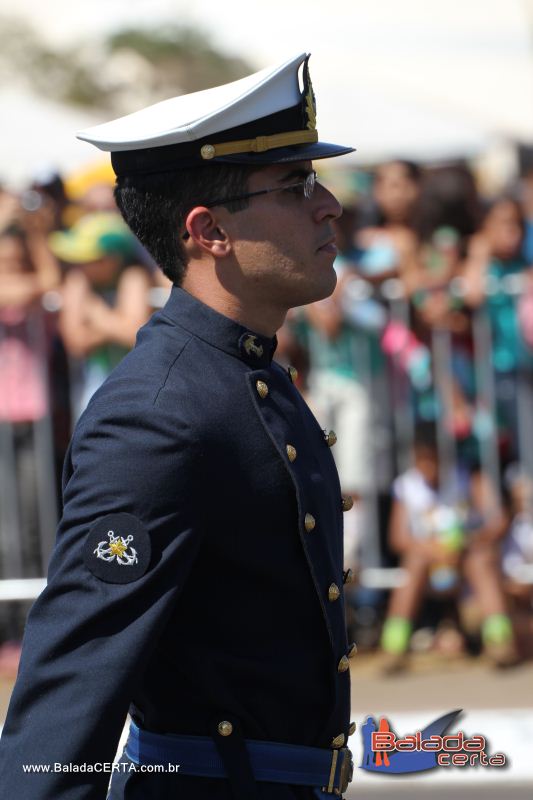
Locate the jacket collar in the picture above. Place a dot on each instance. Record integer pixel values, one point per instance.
(226, 334)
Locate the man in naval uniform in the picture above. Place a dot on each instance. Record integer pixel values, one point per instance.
(198, 572)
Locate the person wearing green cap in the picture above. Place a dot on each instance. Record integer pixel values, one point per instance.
(104, 298)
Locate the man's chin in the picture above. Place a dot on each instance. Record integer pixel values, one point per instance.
(326, 286)
(329, 285)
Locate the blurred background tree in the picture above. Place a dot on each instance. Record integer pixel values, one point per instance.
(128, 68)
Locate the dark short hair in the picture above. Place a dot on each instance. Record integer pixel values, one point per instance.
(426, 437)
(504, 199)
(448, 198)
(412, 171)
(155, 206)
(14, 231)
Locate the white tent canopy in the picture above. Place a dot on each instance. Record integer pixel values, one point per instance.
(381, 126)
(37, 131)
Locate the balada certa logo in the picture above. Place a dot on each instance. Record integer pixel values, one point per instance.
(389, 754)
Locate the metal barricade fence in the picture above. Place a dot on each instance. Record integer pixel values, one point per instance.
(28, 463)
(25, 550)
(402, 390)
(28, 505)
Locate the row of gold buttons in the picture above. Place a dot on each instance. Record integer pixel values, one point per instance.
(310, 522)
(334, 593)
(344, 663)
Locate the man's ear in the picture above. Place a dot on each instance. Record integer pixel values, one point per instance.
(206, 233)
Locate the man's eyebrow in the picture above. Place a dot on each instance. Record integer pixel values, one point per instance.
(295, 173)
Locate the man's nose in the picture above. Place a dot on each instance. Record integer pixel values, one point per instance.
(327, 206)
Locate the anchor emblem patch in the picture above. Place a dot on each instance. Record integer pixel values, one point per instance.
(117, 547)
(109, 551)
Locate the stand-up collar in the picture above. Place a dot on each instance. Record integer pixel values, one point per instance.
(218, 330)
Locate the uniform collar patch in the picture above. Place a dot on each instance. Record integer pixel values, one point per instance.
(256, 350)
(250, 345)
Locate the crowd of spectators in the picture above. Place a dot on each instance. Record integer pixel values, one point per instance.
(74, 289)
(421, 361)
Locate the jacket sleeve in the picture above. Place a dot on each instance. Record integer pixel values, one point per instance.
(90, 634)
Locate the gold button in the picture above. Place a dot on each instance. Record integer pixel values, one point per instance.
(262, 389)
(207, 151)
(338, 741)
(343, 664)
(352, 650)
(293, 374)
(330, 438)
(347, 503)
(225, 728)
(309, 522)
(351, 729)
(348, 576)
(333, 593)
(291, 452)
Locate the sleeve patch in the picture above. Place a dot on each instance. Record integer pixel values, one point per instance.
(117, 549)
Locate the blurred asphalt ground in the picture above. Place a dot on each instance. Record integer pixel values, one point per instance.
(498, 704)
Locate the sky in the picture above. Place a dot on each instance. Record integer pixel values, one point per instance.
(433, 74)
(355, 27)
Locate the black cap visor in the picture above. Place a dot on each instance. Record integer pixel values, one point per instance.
(280, 155)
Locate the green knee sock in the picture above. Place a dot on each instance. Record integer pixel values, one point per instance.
(396, 634)
(497, 629)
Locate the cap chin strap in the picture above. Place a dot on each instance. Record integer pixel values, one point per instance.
(258, 145)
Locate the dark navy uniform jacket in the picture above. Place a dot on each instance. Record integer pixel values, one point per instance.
(195, 570)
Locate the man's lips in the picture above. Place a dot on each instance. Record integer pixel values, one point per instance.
(329, 246)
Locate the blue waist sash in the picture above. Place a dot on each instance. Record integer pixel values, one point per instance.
(330, 770)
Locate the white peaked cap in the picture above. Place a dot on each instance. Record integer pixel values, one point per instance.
(263, 118)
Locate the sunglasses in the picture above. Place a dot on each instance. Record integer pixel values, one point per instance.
(304, 188)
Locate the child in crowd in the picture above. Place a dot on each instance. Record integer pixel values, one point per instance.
(517, 555)
(445, 528)
(518, 544)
